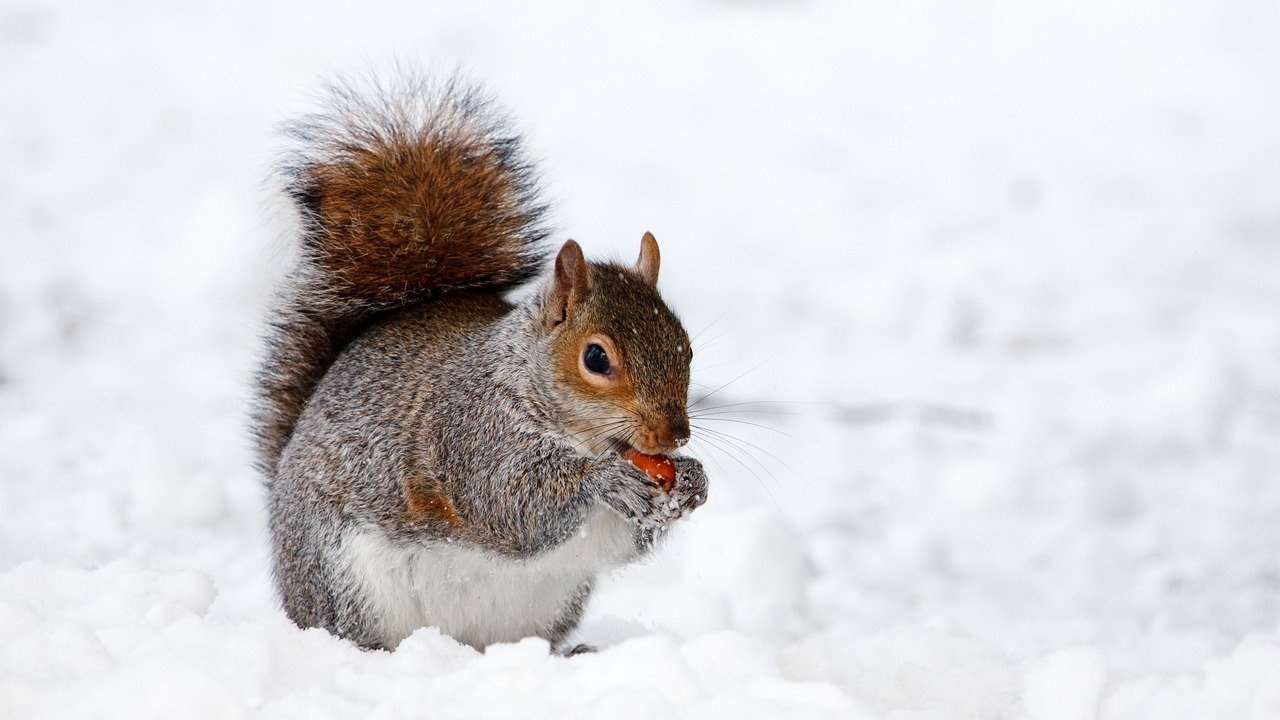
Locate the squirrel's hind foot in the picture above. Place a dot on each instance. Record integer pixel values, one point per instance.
(571, 650)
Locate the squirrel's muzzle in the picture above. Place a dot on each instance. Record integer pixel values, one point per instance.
(677, 432)
(663, 435)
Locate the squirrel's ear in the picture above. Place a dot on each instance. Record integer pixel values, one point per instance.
(569, 284)
(647, 264)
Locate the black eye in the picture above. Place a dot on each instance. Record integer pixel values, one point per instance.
(596, 359)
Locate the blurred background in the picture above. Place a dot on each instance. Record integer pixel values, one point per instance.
(997, 284)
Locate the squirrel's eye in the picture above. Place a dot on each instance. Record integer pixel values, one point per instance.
(596, 359)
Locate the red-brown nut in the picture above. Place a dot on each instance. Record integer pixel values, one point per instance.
(658, 467)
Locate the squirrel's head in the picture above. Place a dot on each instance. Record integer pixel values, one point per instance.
(620, 355)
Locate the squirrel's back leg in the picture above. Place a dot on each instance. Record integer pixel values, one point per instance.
(307, 535)
(568, 621)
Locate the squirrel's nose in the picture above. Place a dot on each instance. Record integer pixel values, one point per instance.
(665, 432)
(677, 432)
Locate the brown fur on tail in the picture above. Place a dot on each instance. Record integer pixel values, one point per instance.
(407, 189)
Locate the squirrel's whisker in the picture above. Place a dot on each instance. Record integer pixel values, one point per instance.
(748, 372)
(744, 411)
(713, 418)
(603, 431)
(756, 402)
(739, 442)
(700, 450)
(713, 341)
(606, 423)
(710, 443)
(733, 452)
(710, 325)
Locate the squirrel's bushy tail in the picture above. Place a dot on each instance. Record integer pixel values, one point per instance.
(407, 189)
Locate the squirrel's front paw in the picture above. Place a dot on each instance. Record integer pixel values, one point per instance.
(639, 498)
(690, 490)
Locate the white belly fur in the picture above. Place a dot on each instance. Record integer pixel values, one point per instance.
(474, 596)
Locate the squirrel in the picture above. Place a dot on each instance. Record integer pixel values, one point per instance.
(436, 454)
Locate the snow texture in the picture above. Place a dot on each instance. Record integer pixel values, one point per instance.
(1008, 275)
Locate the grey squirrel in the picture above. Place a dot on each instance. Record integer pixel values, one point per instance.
(436, 455)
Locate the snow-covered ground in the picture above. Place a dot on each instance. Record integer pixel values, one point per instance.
(1009, 274)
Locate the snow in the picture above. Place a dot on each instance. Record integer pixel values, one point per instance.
(1009, 275)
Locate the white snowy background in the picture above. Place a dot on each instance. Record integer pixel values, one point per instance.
(1008, 275)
